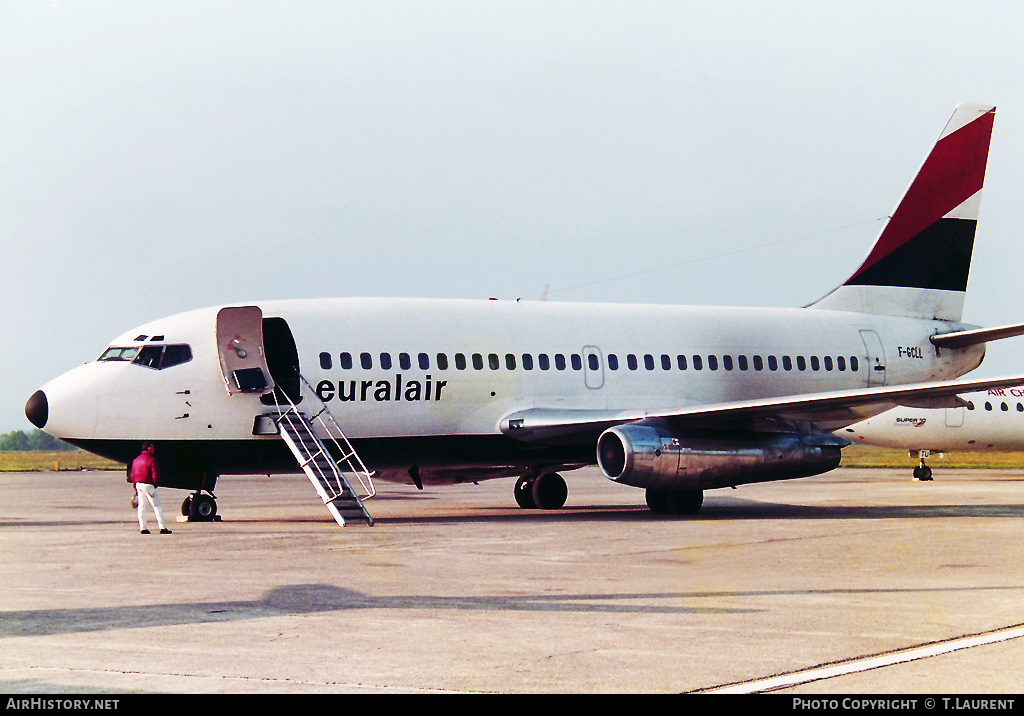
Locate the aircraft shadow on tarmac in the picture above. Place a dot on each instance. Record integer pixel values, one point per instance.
(299, 599)
(729, 508)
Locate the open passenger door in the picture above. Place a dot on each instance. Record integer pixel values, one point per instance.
(243, 361)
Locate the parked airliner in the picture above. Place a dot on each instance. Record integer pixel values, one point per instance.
(991, 420)
(672, 399)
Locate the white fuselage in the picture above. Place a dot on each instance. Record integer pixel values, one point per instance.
(993, 420)
(396, 368)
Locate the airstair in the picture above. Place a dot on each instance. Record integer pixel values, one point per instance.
(328, 470)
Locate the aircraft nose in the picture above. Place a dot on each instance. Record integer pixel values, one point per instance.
(37, 409)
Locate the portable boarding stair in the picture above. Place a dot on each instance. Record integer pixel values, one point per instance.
(327, 474)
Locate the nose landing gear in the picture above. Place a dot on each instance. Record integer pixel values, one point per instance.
(200, 507)
(922, 472)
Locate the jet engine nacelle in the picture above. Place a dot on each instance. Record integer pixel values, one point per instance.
(656, 458)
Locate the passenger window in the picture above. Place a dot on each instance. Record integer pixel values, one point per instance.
(527, 361)
(727, 362)
(345, 360)
(404, 361)
(1020, 408)
(478, 361)
(366, 360)
(742, 362)
(648, 361)
(758, 363)
(787, 363)
(613, 361)
(970, 405)
(385, 361)
(559, 361)
(424, 361)
(713, 362)
(773, 363)
(698, 363)
(543, 362)
(492, 361)
(814, 363)
(460, 361)
(442, 361)
(510, 361)
(666, 362)
(681, 362)
(828, 362)
(854, 364)
(841, 363)
(1005, 407)
(801, 363)
(325, 361)
(631, 361)
(593, 362)
(988, 406)
(577, 362)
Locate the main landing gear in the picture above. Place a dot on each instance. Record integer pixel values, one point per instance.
(922, 472)
(546, 491)
(675, 502)
(200, 507)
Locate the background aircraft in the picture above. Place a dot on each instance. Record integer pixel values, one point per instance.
(991, 420)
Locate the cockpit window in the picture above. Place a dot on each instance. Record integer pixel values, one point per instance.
(155, 357)
(115, 353)
(176, 355)
(160, 357)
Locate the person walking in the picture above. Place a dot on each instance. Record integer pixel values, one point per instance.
(146, 476)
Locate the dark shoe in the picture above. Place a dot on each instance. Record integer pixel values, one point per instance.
(165, 531)
(144, 532)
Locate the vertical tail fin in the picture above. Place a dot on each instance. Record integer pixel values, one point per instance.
(919, 264)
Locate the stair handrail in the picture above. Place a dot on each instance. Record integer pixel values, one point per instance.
(346, 451)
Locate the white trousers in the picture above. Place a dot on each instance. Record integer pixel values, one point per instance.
(147, 491)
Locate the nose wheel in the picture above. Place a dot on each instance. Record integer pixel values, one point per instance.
(200, 507)
(922, 472)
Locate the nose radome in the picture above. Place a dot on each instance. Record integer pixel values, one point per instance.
(37, 409)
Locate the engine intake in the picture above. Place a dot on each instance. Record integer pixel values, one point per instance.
(657, 458)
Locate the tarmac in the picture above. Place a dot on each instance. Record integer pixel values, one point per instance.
(861, 581)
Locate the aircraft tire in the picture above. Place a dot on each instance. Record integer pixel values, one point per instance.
(657, 500)
(203, 508)
(524, 493)
(686, 502)
(675, 502)
(549, 491)
(186, 506)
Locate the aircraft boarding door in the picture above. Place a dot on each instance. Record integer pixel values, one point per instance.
(593, 367)
(240, 350)
(954, 417)
(875, 358)
(282, 360)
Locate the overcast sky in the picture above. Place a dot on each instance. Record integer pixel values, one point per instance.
(157, 157)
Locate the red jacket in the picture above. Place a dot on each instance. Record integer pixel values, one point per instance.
(144, 469)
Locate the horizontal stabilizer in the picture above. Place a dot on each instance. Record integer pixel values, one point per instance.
(962, 339)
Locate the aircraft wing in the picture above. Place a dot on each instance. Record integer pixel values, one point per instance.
(800, 413)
